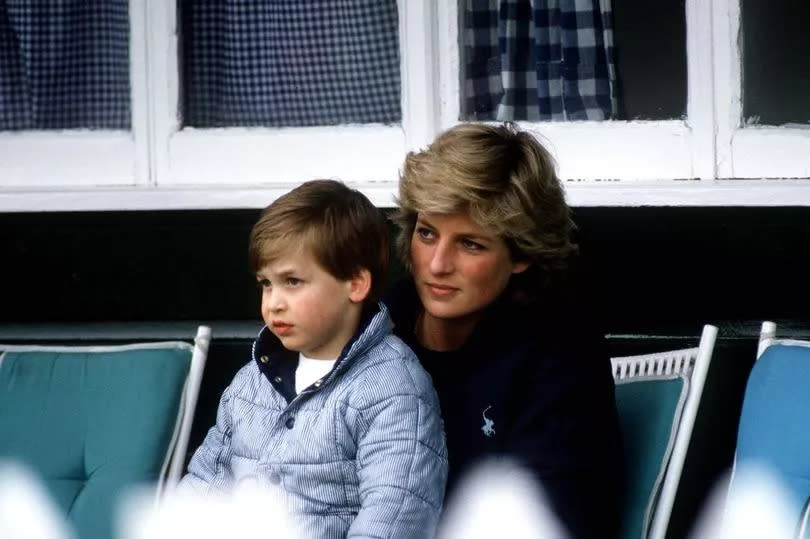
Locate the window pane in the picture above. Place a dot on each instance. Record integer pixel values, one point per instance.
(650, 52)
(535, 61)
(282, 63)
(776, 61)
(64, 64)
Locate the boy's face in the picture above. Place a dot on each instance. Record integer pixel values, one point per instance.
(307, 308)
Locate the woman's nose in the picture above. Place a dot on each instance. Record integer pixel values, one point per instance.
(441, 260)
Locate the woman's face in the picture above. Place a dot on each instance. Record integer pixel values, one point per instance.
(459, 268)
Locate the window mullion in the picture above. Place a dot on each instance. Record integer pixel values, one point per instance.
(700, 109)
(139, 91)
(727, 81)
(164, 82)
(419, 71)
(449, 62)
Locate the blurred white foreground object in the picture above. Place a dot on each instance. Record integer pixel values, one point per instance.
(499, 499)
(758, 507)
(246, 513)
(26, 509)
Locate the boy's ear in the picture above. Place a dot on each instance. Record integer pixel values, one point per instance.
(360, 286)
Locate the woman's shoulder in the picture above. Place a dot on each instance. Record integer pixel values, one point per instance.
(556, 311)
(558, 328)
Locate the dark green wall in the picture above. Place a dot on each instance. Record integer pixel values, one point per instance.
(651, 267)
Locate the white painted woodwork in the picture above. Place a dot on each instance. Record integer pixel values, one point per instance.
(749, 151)
(579, 194)
(160, 165)
(35, 159)
(236, 156)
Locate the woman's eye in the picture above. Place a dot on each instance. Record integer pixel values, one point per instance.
(264, 283)
(471, 245)
(424, 233)
(293, 281)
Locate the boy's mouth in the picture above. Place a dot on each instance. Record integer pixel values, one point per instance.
(281, 328)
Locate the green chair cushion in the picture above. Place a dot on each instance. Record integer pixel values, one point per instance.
(91, 422)
(649, 414)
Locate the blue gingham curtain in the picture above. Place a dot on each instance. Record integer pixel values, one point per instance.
(290, 63)
(64, 64)
(537, 60)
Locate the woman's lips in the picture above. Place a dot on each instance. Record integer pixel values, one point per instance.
(440, 290)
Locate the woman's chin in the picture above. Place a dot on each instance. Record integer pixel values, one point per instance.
(445, 310)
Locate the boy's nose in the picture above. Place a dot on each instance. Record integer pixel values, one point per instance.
(275, 302)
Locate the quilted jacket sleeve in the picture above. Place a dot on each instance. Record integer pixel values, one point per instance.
(209, 469)
(401, 457)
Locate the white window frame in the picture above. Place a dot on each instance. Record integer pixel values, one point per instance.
(158, 165)
(749, 151)
(615, 150)
(367, 156)
(41, 161)
(689, 162)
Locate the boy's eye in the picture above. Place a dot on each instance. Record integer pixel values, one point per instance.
(264, 283)
(293, 281)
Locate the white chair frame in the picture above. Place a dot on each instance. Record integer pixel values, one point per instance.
(694, 364)
(767, 337)
(182, 432)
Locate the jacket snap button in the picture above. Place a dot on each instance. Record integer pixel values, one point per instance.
(274, 478)
(277, 379)
(290, 422)
(264, 359)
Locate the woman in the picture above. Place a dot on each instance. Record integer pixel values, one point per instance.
(518, 365)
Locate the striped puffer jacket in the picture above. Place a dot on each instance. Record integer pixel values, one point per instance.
(359, 453)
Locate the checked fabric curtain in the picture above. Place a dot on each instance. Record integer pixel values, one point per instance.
(282, 63)
(64, 64)
(537, 60)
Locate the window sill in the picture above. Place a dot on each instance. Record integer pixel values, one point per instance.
(585, 193)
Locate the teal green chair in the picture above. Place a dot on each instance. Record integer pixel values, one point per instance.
(91, 422)
(657, 397)
(774, 430)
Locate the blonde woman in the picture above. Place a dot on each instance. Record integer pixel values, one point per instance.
(520, 369)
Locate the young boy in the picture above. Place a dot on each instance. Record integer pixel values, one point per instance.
(332, 408)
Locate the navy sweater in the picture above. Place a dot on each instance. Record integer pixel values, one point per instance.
(534, 383)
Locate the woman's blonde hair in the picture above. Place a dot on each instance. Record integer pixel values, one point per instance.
(504, 178)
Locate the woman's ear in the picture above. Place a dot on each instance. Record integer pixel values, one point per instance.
(520, 267)
(360, 286)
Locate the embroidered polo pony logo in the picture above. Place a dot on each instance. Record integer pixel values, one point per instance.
(488, 427)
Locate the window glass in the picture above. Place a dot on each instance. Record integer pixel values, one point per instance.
(282, 63)
(650, 55)
(584, 60)
(64, 64)
(776, 61)
(535, 61)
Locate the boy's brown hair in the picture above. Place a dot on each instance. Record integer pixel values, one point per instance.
(338, 225)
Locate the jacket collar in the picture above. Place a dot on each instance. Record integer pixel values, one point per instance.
(278, 364)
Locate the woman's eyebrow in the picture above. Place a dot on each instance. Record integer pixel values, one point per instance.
(476, 237)
(424, 221)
